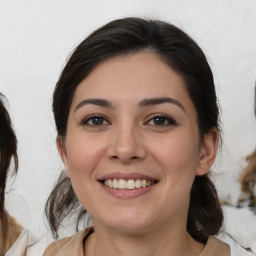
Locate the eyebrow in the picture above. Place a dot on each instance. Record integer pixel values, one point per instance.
(157, 101)
(98, 102)
(143, 103)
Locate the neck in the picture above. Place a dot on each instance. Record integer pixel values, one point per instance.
(165, 243)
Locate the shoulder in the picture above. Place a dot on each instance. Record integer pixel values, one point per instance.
(54, 247)
(21, 245)
(215, 246)
(68, 245)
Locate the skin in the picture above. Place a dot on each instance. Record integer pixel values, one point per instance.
(129, 139)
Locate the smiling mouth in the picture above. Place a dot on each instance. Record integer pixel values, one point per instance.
(128, 184)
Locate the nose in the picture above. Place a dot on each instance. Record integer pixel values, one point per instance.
(126, 145)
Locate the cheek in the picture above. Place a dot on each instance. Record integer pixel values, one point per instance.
(178, 157)
(177, 150)
(83, 155)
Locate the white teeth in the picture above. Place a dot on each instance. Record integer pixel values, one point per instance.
(115, 183)
(127, 184)
(130, 184)
(144, 183)
(122, 184)
(138, 183)
(110, 183)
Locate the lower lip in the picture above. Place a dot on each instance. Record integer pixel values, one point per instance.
(127, 193)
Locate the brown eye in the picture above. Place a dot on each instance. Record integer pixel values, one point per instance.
(95, 120)
(161, 120)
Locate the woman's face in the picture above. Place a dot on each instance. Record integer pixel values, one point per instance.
(132, 145)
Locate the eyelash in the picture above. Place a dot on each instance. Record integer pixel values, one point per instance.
(103, 120)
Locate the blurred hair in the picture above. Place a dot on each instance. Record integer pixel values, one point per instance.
(8, 150)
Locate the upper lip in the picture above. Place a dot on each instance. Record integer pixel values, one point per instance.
(126, 176)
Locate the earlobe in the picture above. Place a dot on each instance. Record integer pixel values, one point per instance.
(208, 152)
(61, 149)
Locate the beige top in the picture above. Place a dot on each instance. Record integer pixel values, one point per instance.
(23, 245)
(13, 232)
(73, 246)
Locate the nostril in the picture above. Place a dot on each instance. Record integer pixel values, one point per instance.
(127, 152)
(124, 159)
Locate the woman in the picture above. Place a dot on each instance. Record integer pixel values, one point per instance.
(10, 230)
(138, 127)
(14, 239)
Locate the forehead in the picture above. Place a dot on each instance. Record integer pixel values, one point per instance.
(132, 75)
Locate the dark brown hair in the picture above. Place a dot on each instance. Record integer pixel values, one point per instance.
(177, 49)
(8, 150)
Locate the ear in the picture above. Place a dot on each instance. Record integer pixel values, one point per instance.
(207, 152)
(61, 149)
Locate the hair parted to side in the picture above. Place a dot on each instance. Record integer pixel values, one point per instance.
(8, 150)
(127, 36)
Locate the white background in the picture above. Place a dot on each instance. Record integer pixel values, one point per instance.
(38, 35)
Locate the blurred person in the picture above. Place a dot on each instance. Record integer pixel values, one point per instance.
(14, 239)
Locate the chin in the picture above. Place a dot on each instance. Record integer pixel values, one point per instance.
(130, 227)
(129, 222)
